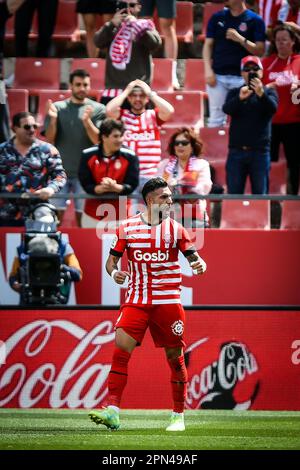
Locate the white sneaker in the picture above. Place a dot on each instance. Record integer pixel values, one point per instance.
(177, 422)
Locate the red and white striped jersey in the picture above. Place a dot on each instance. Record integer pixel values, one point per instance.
(143, 137)
(268, 10)
(152, 250)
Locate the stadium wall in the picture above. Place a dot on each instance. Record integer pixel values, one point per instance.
(236, 360)
(244, 267)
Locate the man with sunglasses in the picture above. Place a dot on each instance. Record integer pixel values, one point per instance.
(251, 108)
(27, 165)
(131, 42)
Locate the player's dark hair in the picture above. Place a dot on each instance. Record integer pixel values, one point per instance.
(152, 185)
(16, 119)
(78, 73)
(108, 125)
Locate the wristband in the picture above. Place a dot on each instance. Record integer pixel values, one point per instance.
(245, 41)
(113, 273)
(152, 93)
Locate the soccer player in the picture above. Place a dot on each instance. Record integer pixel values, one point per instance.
(152, 240)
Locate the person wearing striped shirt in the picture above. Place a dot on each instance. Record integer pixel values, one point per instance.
(152, 241)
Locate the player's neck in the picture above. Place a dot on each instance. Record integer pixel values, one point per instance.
(150, 219)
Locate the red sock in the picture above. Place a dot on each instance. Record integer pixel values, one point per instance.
(117, 377)
(179, 379)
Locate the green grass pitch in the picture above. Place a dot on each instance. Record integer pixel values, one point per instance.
(145, 429)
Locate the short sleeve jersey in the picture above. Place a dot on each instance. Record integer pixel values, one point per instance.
(227, 54)
(152, 250)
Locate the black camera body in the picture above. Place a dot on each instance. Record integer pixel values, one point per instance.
(42, 279)
(121, 5)
(251, 75)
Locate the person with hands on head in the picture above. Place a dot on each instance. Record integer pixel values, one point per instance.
(142, 125)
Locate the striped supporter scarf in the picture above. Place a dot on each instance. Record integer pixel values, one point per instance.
(121, 46)
(190, 175)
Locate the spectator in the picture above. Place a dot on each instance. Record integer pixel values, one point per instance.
(142, 125)
(27, 165)
(131, 43)
(231, 34)
(286, 12)
(251, 108)
(38, 245)
(282, 70)
(46, 12)
(187, 173)
(72, 125)
(167, 21)
(107, 168)
(90, 9)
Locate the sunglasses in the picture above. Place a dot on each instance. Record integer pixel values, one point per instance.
(27, 127)
(249, 68)
(182, 142)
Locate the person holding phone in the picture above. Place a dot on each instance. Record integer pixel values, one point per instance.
(251, 108)
(130, 42)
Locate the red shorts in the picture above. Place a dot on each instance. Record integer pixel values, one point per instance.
(166, 323)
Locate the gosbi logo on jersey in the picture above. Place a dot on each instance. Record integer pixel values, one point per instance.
(146, 135)
(159, 256)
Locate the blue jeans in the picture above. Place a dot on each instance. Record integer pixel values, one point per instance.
(241, 163)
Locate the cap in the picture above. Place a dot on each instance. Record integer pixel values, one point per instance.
(253, 59)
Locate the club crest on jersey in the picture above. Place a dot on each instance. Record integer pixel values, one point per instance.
(243, 27)
(177, 328)
(167, 239)
(158, 256)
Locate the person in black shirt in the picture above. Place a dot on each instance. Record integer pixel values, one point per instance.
(251, 108)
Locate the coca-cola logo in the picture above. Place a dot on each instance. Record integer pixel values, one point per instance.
(74, 377)
(227, 381)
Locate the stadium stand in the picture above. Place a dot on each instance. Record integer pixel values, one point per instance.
(17, 100)
(290, 215)
(244, 214)
(215, 141)
(208, 10)
(184, 22)
(194, 75)
(37, 74)
(96, 69)
(189, 109)
(162, 75)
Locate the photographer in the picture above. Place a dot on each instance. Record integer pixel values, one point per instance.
(46, 264)
(251, 108)
(131, 42)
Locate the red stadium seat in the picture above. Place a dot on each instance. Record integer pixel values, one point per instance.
(194, 75)
(44, 96)
(37, 74)
(165, 135)
(188, 108)
(17, 101)
(96, 69)
(162, 75)
(290, 216)
(244, 214)
(278, 178)
(208, 10)
(215, 142)
(220, 172)
(184, 21)
(67, 22)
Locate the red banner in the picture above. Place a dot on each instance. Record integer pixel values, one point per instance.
(244, 267)
(235, 360)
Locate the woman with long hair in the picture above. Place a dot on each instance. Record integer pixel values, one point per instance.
(188, 173)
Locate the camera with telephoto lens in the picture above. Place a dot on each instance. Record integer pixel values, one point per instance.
(41, 275)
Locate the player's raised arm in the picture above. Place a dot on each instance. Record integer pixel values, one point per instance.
(112, 268)
(189, 251)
